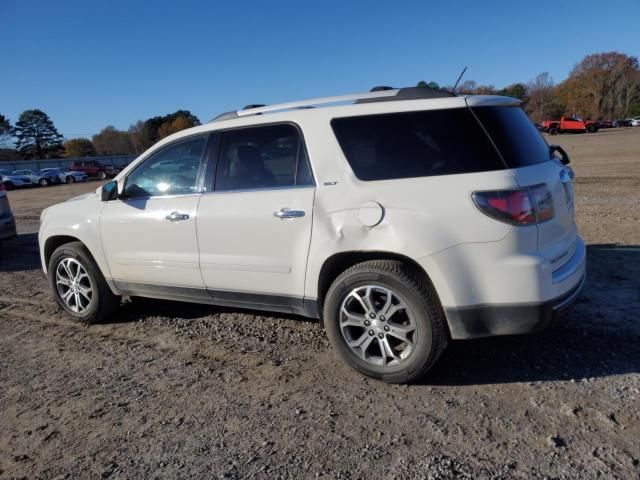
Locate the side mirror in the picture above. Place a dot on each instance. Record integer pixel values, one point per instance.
(557, 148)
(109, 191)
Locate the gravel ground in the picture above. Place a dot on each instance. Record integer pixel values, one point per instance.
(176, 390)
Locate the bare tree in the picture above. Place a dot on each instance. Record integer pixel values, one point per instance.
(540, 97)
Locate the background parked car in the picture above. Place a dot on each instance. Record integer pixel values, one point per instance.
(622, 122)
(569, 124)
(7, 220)
(93, 168)
(43, 179)
(67, 176)
(605, 124)
(635, 122)
(11, 181)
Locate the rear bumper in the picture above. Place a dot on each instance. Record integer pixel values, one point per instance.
(7, 227)
(490, 320)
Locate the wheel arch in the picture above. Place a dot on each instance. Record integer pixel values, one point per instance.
(341, 261)
(55, 241)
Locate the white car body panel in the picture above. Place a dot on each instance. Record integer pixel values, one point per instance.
(76, 218)
(142, 246)
(245, 248)
(232, 241)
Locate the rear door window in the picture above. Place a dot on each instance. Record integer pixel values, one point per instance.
(415, 144)
(263, 157)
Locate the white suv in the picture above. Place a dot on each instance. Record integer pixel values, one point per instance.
(401, 218)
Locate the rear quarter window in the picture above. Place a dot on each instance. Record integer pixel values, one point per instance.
(515, 136)
(415, 144)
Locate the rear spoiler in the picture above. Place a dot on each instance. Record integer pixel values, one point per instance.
(491, 101)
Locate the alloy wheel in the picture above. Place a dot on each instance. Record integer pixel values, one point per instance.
(378, 325)
(74, 285)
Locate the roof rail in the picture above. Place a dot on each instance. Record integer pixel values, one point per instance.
(224, 116)
(253, 105)
(411, 93)
(377, 94)
(316, 101)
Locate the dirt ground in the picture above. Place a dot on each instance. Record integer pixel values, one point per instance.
(172, 390)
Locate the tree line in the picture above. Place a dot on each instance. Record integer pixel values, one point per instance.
(34, 136)
(601, 86)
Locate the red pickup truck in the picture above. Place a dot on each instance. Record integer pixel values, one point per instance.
(569, 124)
(93, 168)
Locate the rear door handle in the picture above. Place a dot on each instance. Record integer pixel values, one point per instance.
(286, 213)
(177, 216)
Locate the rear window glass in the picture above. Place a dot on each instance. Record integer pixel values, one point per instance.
(415, 144)
(516, 137)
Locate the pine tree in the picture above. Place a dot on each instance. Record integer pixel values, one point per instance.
(5, 132)
(36, 135)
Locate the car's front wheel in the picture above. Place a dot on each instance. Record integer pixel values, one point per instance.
(71, 179)
(384, 319)
(102, 175)
(78, 285)
(43, 182)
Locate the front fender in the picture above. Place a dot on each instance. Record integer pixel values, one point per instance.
(80, 222)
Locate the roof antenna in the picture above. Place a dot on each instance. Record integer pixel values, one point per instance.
(453, 90)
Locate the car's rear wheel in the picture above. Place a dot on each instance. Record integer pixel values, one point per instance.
(384, 319)
(71, 179)
(78, 285)
(591, 128)
(102, 175)
(43, 182)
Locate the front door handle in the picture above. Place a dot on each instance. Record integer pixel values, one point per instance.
(177, 216)
(286, 213)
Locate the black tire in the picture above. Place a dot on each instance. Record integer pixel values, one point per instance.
(553, 131)
(44, 182)
(429, 337)
(102, 175)
(71, 179)
(9, 185)
(591, 129)
(103, 302)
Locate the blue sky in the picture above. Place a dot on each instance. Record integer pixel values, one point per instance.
(89, 64)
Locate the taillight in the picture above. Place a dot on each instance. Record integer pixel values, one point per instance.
(543, 202)
(521, 206)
